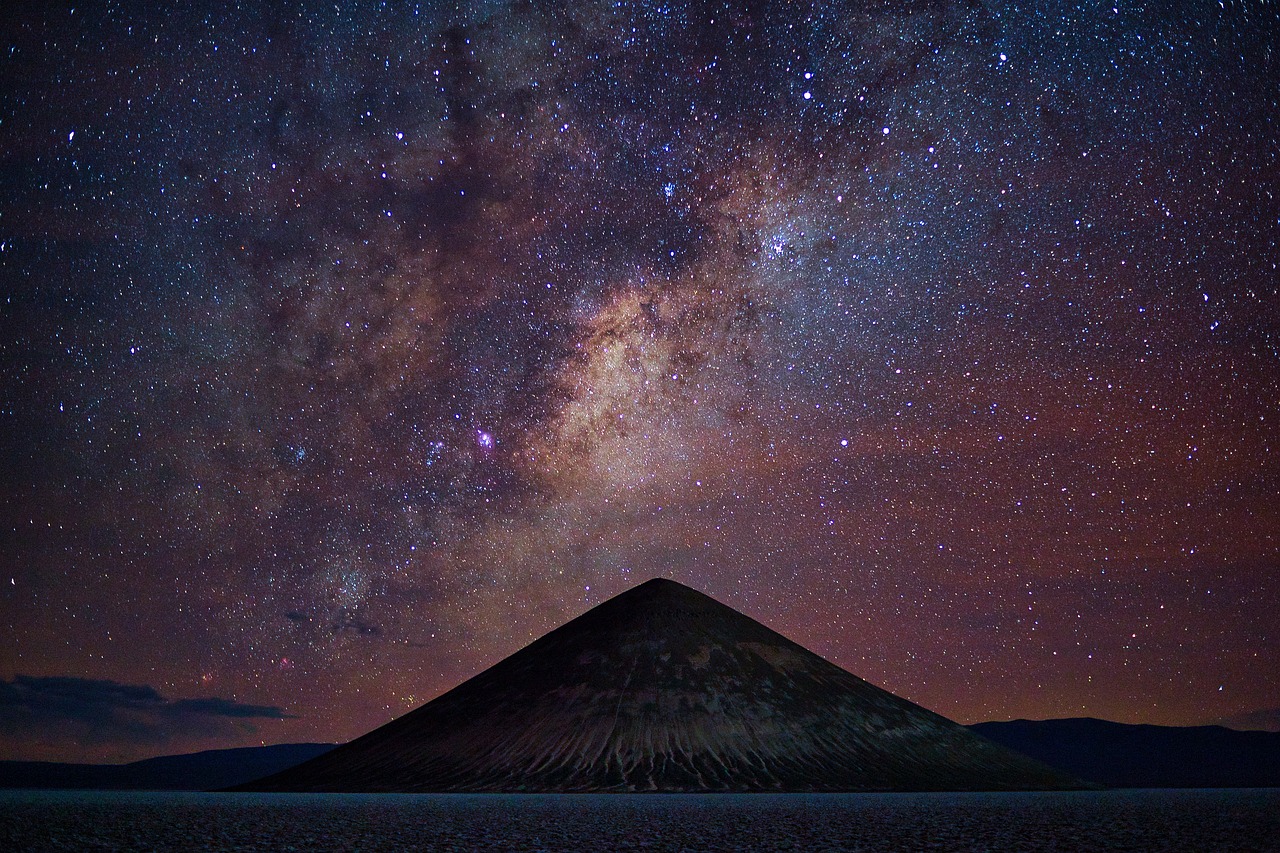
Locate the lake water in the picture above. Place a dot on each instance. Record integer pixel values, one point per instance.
(1226, 820)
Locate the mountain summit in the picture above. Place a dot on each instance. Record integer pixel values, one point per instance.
(663, 688)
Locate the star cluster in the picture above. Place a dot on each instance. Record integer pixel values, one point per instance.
(347, 350)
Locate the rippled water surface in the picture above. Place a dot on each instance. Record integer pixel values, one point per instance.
(1237, 820)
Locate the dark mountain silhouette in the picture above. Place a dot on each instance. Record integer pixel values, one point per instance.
(198, 771)
(662, 688)
(1128, 756)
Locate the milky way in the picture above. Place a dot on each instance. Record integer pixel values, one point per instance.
(344, 353)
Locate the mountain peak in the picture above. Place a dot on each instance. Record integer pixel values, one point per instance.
(663, 688)
(660, 593)
(664, 589)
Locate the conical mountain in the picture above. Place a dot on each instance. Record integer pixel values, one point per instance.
(662, 688)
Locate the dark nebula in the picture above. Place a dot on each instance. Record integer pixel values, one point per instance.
(344, 352)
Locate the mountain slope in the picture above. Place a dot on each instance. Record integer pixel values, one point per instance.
(662, 688)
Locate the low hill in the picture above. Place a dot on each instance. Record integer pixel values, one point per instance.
(1120, 755)
(199, 771)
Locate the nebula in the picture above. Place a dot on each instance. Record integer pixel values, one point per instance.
(345, 352)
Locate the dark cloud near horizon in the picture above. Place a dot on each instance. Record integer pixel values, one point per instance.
(101, 711)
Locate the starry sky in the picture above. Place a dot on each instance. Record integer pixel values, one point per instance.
(346, 351)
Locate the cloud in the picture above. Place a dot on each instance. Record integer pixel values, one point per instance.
(226, 708)
(93, 712)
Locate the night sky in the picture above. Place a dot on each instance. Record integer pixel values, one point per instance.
(343, 353)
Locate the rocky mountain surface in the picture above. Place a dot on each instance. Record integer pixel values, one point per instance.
(662, 688)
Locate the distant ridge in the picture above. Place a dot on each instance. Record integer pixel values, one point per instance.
(662, 688)
(1119, 755)
(1115, 754)
(197, 771)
